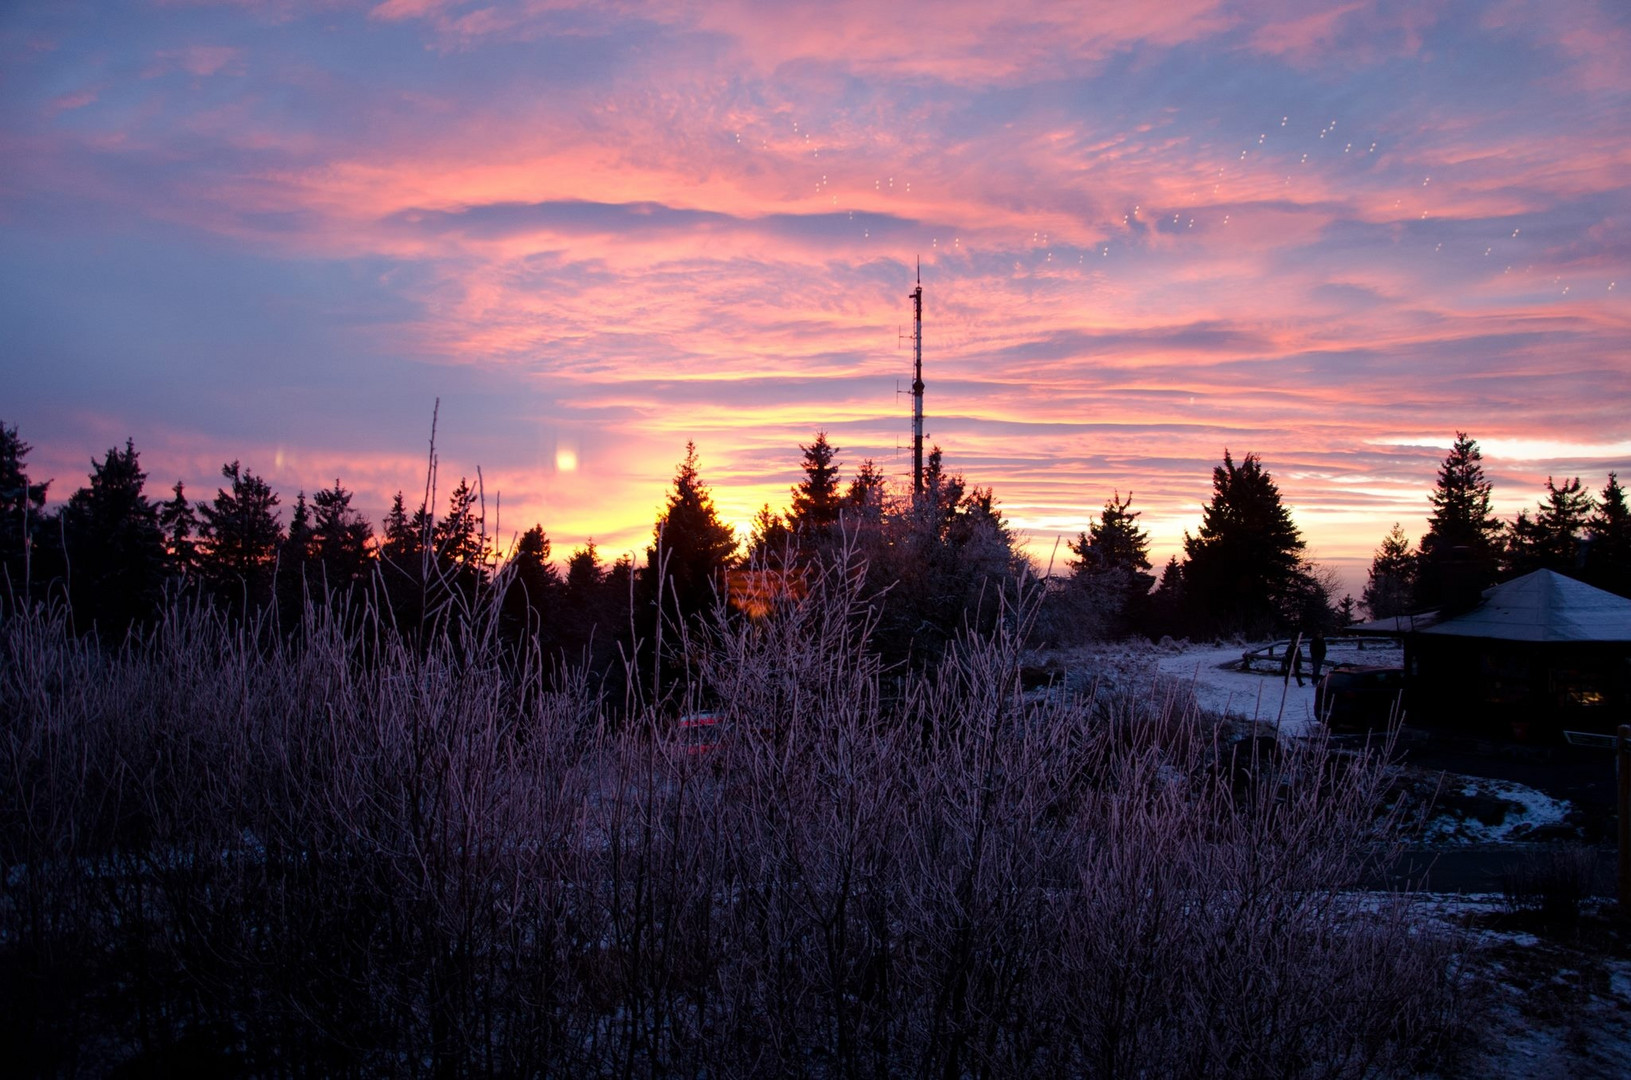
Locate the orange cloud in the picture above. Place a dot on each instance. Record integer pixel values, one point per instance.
(1146, 234)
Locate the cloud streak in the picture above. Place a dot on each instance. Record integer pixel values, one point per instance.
(596, 231)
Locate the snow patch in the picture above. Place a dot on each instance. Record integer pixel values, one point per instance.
(1483, 811)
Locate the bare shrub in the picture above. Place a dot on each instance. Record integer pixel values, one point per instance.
(350, 854)
(1551, 885)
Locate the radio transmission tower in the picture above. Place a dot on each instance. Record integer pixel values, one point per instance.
(917, 387)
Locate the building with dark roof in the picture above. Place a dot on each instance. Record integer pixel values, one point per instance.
(1539, 655)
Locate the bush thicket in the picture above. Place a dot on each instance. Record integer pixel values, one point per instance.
(345, 853)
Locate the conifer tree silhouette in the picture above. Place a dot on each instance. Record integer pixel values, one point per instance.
(239, 539)
(691, 547)
(180, 525)
(1459, 554)
(115, 546)
(1552, 539)
(818, 498)
(22, 506)
(1390, 586)
(1243, 569)
(1608, 550)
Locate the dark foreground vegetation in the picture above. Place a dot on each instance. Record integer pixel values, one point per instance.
(346, 852)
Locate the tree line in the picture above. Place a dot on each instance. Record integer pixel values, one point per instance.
(1467, 548)
(935, 564)
(114, 556)
(1244, 571)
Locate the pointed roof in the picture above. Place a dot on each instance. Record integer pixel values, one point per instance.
(1394, 625)
(1543, 606)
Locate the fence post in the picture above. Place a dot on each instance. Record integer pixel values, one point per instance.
(1622, 762)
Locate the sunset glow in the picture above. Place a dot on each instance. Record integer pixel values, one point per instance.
(1330, 234)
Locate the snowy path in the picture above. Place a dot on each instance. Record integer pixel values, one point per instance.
(1470, 809)
(1221, 687)
(1246, 695)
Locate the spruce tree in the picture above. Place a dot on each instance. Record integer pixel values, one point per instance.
(1111, 567)
(22, 506)
(404, 536)
(866, 501)
(1172, 577)
(691, 547)
(980, 535)
(240, 535)
(297, 575)
(867, 490)
(940, 563)
(115, 545)
(296, 552)
(1392, 580)
(532, 561)
(1243, 570)
(1552, 539)
(534, 593)
(460, 540)
(403, 561)
(770, 539)
(1608, 541)
(817, 499)
(583, 570)
(1167, 606)
(341, 539)
(581, 626)
(942, 495)
(1112, 541)
(180, 525)
(1458, 555)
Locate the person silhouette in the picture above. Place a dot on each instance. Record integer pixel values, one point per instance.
(1292, 663)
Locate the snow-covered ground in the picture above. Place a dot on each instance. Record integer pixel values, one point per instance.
(1523, 810)
(1221, 687)
(1469, 810)
(1555, 1007)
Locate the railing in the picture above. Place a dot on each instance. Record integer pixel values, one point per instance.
(1271, 658)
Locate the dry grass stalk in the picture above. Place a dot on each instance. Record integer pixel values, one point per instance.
(352, 854)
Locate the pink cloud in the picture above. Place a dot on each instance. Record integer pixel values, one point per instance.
(957, 40)
(1595, 40)
(203, 60)
(76, 100)
(408, 9)
(200, 61)
(1288, 304)
(1302, 34)
(1348, 33)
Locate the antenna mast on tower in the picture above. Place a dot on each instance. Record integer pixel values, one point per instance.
(917, 386)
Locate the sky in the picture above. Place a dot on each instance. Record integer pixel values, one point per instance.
(1330, 234)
